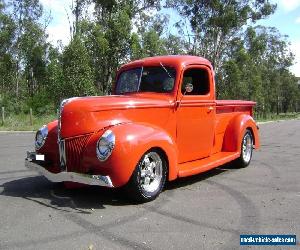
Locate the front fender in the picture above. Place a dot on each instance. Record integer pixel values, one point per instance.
(50, 148)
(235, 130)
(132, 141)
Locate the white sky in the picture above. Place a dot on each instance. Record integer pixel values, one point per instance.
(286, 19)
(288, 5)
(59, 27)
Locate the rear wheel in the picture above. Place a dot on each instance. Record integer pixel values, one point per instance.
(246, 150)
(149, 177)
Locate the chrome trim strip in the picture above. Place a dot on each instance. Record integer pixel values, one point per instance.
(61, 143)
(62, 154)
(62, 104)
(95, 180)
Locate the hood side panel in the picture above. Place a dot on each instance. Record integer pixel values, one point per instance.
(88, 115)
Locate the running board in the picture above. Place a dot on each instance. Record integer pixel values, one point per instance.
(202, 165)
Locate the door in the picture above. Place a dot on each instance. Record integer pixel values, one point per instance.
(196, 114)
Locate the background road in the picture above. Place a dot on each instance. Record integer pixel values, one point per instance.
(207, 211)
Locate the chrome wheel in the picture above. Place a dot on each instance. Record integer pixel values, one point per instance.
(247, 147)
(149, 177)
(151, 172)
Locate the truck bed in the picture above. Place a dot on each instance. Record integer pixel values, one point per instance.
(228, 106)
(225, 111)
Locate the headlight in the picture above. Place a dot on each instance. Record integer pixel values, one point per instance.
(40, 137)
(105, 145)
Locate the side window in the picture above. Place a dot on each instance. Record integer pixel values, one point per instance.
(199, 78)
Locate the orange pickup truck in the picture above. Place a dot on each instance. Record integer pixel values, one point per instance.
(162, 122)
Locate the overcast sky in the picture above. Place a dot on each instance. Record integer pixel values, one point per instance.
(286, 19)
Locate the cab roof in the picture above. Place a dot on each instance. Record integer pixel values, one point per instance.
(171, 60)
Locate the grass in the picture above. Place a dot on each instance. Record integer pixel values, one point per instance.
(21, 122)
(281, 116)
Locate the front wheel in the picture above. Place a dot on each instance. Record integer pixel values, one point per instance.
(148, 178)
(246, 150)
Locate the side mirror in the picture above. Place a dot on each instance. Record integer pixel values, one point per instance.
(188, 88)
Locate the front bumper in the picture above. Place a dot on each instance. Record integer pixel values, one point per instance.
(31, 162)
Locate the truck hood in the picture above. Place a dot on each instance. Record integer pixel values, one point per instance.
(83, 115)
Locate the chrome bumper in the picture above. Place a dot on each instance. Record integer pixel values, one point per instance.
(95, 180)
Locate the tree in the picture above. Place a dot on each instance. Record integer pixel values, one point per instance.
(55, 77)
(26, 15)
(250, 62)
(78, 76)
(33, 47)
(259, 70)
(214, 24)
(7, 62)
(136, 51)
(152, 44)
(174, 45)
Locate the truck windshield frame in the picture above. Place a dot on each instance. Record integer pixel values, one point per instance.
(156, 79)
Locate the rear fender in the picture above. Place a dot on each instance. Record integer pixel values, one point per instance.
(235, 131)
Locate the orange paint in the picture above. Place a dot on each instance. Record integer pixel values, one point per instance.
(195, 132)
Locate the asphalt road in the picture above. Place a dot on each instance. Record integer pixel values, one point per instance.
(207, 211)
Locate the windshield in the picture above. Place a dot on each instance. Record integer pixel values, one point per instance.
(159, 79)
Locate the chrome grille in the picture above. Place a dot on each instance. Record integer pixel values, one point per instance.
(70, 149)
(74, 148)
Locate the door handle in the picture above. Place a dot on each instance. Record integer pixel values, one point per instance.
(211, 108)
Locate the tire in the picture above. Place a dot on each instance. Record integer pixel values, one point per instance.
(73, 185)
(246, 150)
(148, 178)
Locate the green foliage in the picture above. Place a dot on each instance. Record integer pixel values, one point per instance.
(152, 44)
(54, 77)
(7, 62)
(33, 53)
(258, 70)
(40, 104)
(135, 47)
(214, 24)
(174, 45)
(77, 73)
(250, 62)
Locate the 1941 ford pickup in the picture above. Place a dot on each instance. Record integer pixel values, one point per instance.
(162, 122)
